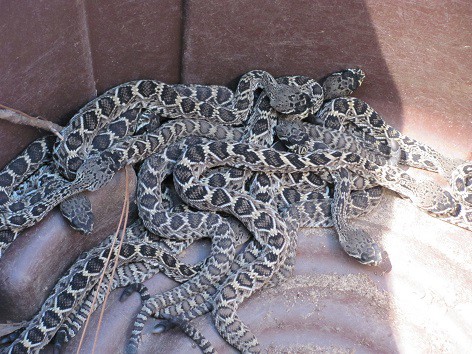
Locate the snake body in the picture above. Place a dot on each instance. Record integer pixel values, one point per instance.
(426, 194)
(242, 153)
(346, 113)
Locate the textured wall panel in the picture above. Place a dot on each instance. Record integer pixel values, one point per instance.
(44, 64)
(134, 40)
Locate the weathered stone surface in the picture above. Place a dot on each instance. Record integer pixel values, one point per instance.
(37, 258)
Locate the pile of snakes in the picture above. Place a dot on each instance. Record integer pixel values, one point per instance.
(246, 169)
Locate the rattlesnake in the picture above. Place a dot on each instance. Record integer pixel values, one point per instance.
(100, 142)
(110, 118)
(83, 138)
(346, 113)
(264, 260)
(27, 218)
(426, 194)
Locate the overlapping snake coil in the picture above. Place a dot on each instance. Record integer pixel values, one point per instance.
(246, 169)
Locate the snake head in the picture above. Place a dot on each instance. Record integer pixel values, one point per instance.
(288, 99)
(285, 98)
(371, 255)
(354, 77)
(359, 245)
(96, 171)
(461, 183)
(293, 137)
(342, 83)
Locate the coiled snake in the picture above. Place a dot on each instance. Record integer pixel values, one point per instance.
(219, 148)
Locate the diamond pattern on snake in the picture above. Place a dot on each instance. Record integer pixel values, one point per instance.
(245, 169)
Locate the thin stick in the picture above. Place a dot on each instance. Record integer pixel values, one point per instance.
(17, 117)
(115, 265)
(112, 245)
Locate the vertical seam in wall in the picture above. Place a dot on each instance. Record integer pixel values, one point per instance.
(183, 23)
(88, 45)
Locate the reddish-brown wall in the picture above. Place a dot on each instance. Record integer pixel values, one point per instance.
(57, 55)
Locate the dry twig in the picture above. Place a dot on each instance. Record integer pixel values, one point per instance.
(17, 117)
(121, 224)
(115, 265)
